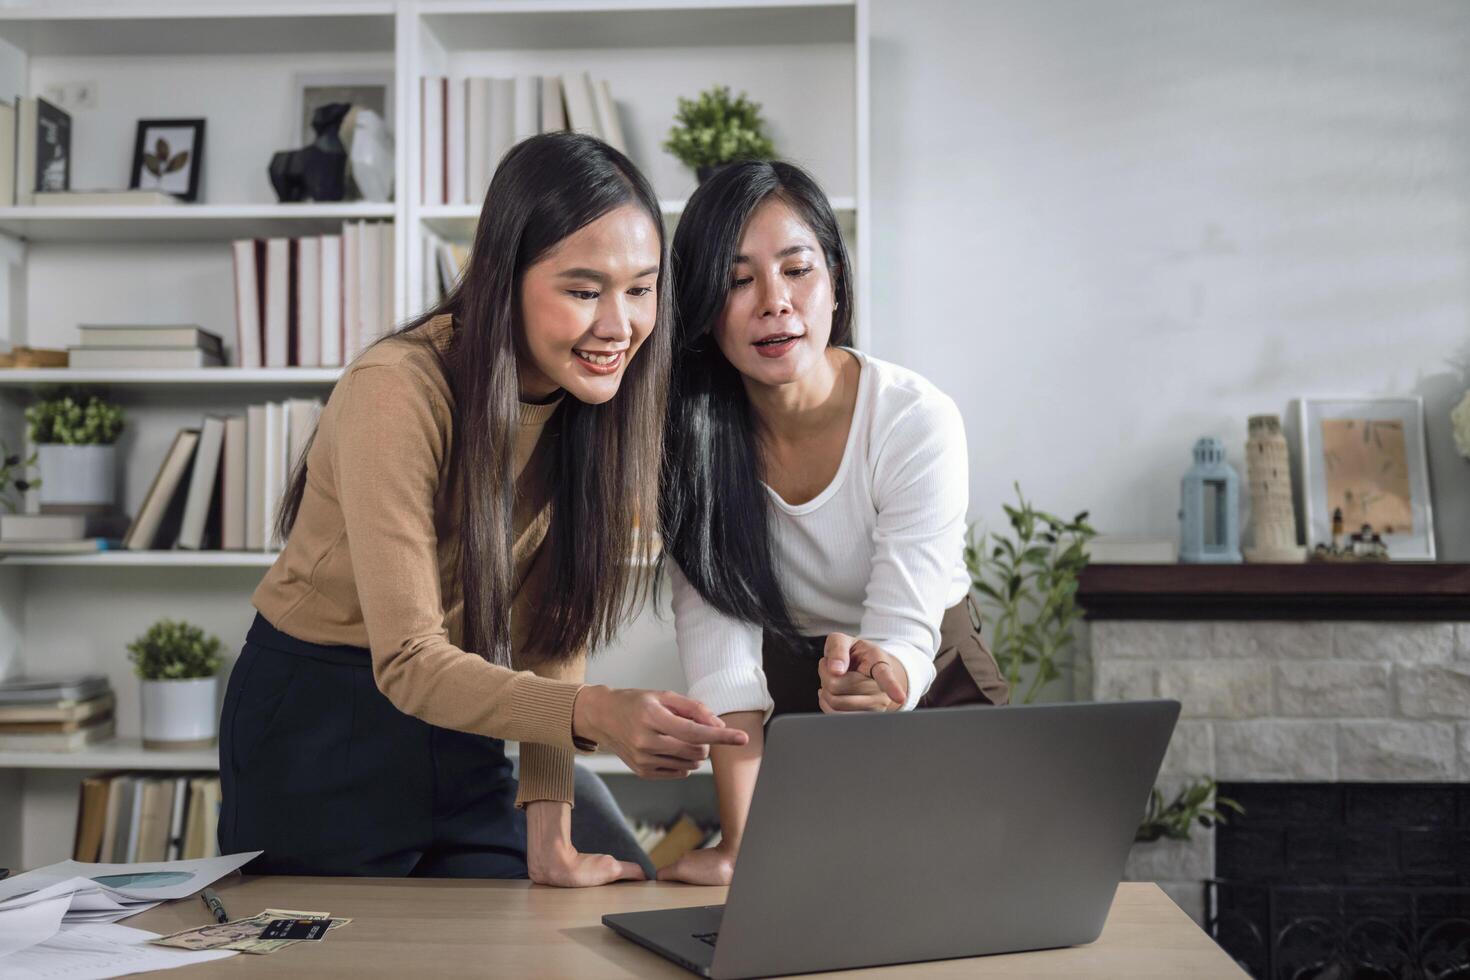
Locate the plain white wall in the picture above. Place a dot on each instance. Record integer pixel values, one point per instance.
(1110, 228)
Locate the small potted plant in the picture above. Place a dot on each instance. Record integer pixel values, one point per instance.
(77, 457)
(715, 129)
(178, 665)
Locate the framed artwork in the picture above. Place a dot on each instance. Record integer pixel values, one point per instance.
(1367, 458)
(369, 89)
(168, 156)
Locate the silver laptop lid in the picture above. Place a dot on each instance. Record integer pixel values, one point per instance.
(933, 834)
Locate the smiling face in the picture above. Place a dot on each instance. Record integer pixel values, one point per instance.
(778, 315)
(586, 307)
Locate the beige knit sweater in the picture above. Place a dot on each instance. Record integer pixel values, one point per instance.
(371, 562)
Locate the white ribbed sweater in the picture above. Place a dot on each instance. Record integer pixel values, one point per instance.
(878, 554)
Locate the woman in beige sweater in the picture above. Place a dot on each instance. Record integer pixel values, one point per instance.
(461, 534)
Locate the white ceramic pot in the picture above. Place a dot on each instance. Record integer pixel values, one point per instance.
(180, 714)
(77, 476)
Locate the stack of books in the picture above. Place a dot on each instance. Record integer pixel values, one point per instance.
(469, 124)
(667, 843)
(314, 301)
(128, 817)
(58, 534)
(221, 484)
(59, 714)
(108, 347)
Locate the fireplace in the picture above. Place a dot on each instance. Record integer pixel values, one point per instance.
(1344, 880)
(1334, 703)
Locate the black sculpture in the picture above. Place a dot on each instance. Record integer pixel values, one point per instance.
(318, 171)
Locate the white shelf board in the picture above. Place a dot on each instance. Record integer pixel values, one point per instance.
(181, 222)
(162, 28)
(121, 753)
(150, 559)
(31, 377)
(457, 221)
(469, 25)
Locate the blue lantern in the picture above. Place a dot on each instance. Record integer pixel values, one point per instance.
(1209, 507)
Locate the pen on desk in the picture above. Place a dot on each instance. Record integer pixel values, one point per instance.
(215, 905)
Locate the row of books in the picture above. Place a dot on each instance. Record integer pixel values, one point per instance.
(314, 301)
(125, 817)
(443, 263)
(55, 714)
(220, 484)
(470, 123)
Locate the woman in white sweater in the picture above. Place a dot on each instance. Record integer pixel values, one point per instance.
(814, 497)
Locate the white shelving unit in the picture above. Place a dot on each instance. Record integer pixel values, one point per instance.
(236, 63)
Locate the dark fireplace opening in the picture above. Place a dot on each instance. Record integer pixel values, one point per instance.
(1344, 881)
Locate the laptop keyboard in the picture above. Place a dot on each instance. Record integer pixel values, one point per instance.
(706, 937)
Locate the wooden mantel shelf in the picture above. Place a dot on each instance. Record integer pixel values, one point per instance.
(1315, 590)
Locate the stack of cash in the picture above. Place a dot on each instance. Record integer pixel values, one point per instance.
(242, 935)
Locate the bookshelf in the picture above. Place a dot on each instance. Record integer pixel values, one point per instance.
(806, 61)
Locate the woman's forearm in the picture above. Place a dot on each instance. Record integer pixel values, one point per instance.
(736, 767)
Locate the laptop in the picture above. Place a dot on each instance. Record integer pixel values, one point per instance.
(876, 839)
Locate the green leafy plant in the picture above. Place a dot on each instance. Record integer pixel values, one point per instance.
(715, 129)
(13, 480)
(1028, 582)
(1191, 805)
(69, 420)
(174, 650)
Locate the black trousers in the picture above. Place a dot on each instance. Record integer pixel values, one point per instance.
(321, 772)
(965, 669)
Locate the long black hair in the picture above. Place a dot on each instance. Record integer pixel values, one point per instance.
(714, 507)
(603, 471)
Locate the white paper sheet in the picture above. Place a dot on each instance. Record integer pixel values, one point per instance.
(31, 924)
(86, 900)
(92, 952)
(154, 881)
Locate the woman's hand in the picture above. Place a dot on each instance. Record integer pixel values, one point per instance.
(858, 676)
(705, 866)
(552, 860)
(659, 734)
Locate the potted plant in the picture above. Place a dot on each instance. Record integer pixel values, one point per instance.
(1192, 804)
(715, 129)
(1028, 586)
(178, 665)
(76, 452)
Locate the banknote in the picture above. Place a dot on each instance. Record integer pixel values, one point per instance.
(271, 945)
(221, 934)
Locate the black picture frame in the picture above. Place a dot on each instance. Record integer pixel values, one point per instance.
(194, 164)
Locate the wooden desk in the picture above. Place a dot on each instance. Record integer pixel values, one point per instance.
(411, 927)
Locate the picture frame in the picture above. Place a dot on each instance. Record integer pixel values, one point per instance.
(168, 156)
(371, 89)
(1369, 457)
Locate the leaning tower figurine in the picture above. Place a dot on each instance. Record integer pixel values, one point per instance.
(1273, 521)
